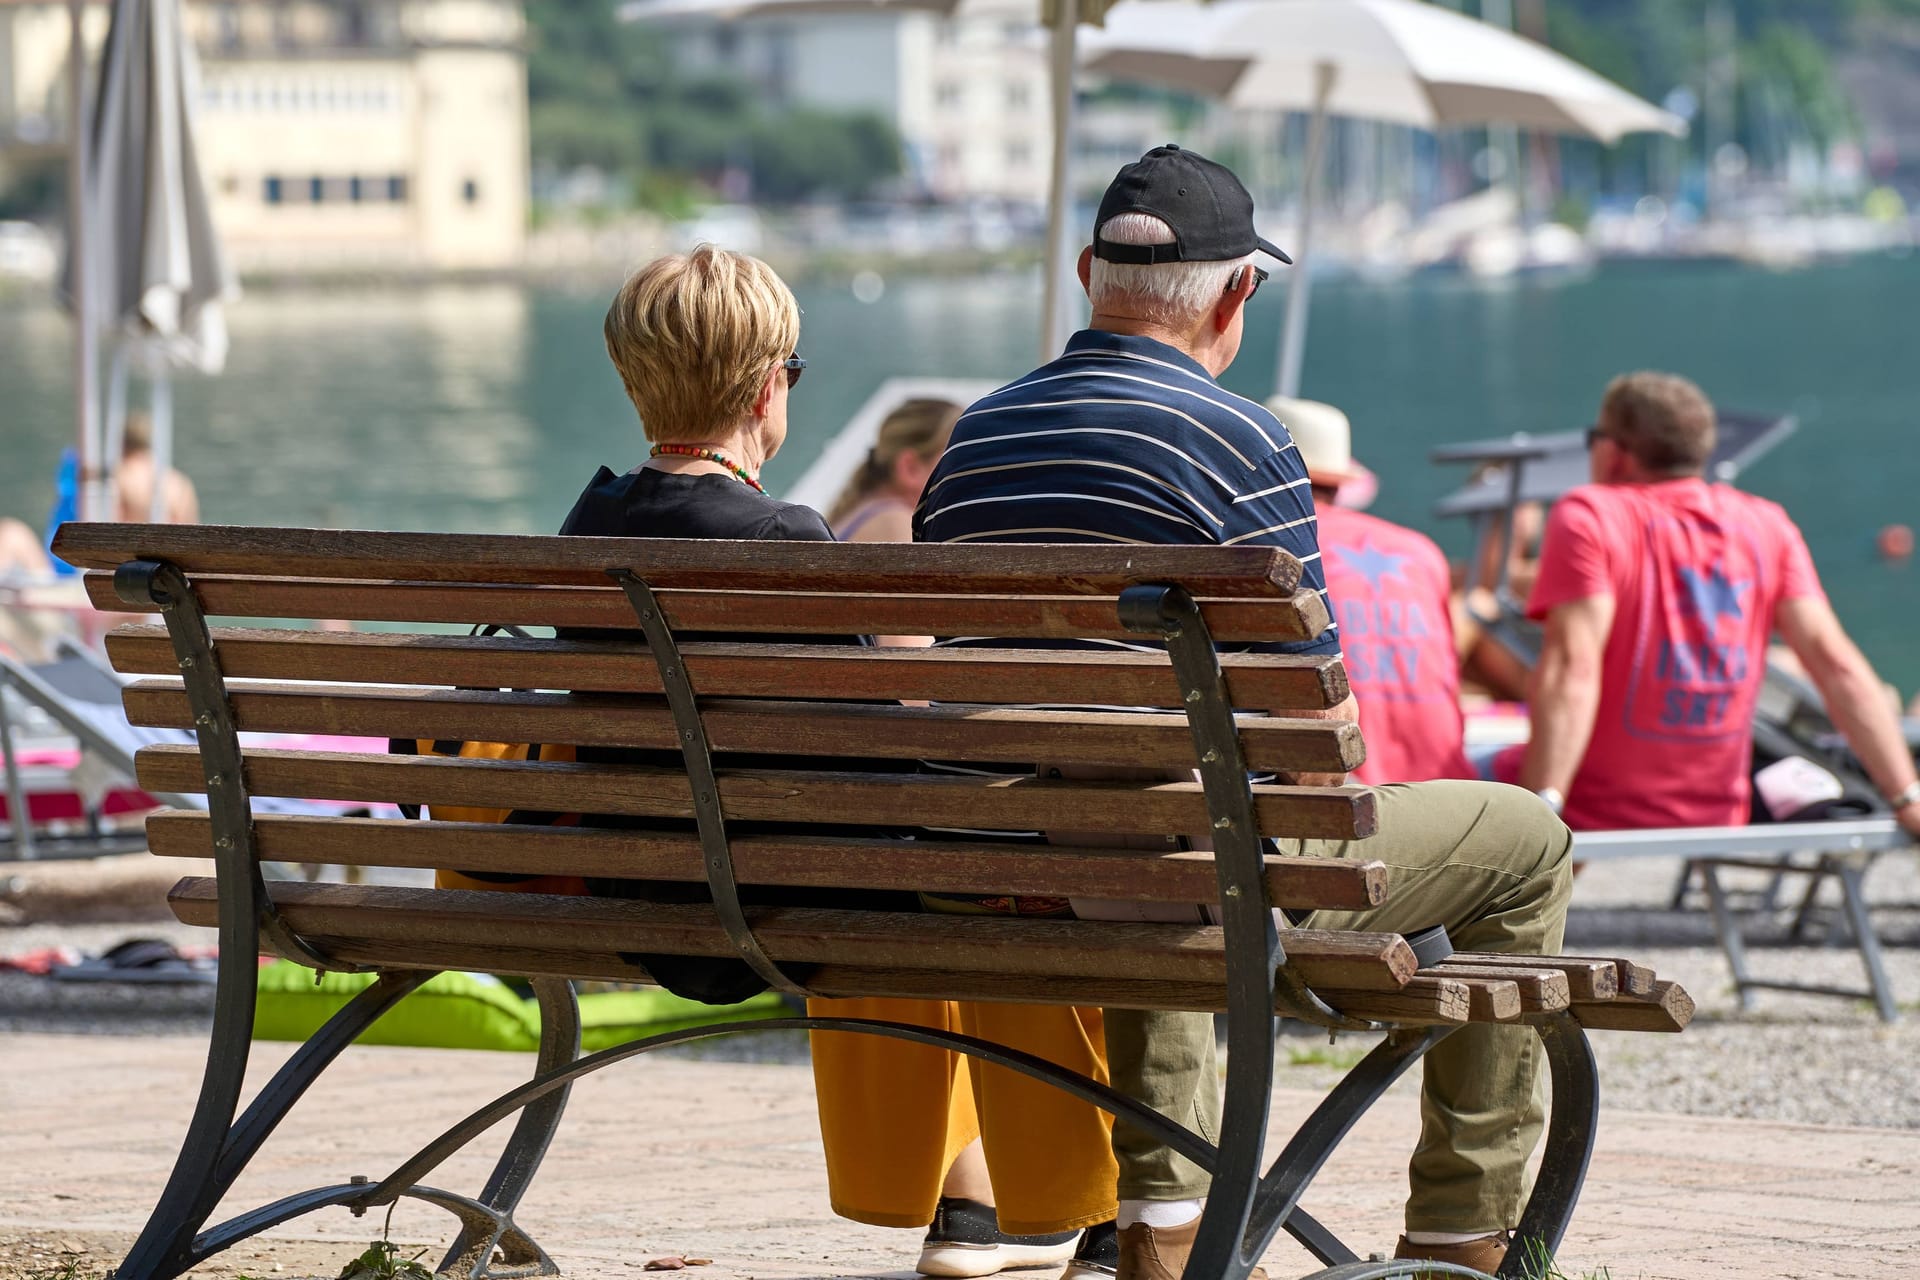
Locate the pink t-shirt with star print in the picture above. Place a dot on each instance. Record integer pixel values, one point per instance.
(1389, 587)
(1696, 571)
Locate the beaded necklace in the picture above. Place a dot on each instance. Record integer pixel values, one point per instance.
(700, 451)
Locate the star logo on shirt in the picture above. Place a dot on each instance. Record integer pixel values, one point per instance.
(1371, 564)
(1713, 596)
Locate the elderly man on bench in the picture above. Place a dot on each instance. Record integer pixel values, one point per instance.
(1127, 438)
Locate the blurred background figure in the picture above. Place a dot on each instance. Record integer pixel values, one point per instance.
(180, 503)
(877, 504)
(21, 555)
(1389, 590)
(1489, 666)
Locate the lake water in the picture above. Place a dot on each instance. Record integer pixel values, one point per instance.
(487, 407)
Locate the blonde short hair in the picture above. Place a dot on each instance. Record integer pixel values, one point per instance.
(694, 336)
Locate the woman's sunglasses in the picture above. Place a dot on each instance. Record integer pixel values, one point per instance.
(795, 366)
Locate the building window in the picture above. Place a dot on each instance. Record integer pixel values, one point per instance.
(356, 190)
(316, 189)
(947, 94)
(397, 189)
(274, 192)
(470, 191)
(1019, 155)
(1019, 95)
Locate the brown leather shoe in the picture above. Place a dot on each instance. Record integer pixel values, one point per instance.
(1160, 1253)
(1485, 1254)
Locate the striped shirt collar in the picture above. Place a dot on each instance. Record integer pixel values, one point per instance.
(1102, 341)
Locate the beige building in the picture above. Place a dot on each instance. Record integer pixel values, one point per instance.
(967, 94)
(333, 134)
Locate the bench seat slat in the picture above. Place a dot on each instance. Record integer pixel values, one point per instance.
(1587, 978)
(1666, 1006)
(1267, 682)
(1298, 617)
(976, 867)
(1432, 998)
(999, 569)
(807, 728)
(786, 796)
(975, 944)
(1536, 990)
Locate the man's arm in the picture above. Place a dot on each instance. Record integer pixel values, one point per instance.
(1853, 695)
(1565, 695)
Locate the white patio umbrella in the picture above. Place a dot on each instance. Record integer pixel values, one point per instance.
(145, 267)
(1062, 19)
(1396, 61)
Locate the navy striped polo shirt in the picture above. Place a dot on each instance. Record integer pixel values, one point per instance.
(1125, 439)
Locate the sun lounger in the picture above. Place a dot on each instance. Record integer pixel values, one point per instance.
(81, 695)
(1840, 851)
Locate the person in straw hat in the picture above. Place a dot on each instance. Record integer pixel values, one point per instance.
(1389, 587)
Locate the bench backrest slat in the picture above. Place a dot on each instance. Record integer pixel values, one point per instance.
(936, 866)
(883, 568)
(852, 730)
(1118, 678)
(1063, 948)
(1296, 617)
(784, 796)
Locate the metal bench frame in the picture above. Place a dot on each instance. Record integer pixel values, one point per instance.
(1246, 1207)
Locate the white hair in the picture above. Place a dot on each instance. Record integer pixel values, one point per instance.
(1173, 293)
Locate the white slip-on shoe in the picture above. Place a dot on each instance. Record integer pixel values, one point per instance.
(965, 1240)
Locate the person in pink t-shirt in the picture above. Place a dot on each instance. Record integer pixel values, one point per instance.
(1660, 592)
(1389, 589)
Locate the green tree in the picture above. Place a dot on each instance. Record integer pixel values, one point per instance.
(608, 94)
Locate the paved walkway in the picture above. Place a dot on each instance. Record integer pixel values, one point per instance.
(720, 1160)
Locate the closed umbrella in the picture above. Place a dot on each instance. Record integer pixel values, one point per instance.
(146, 270)
(1062, 18)
(1395, 61)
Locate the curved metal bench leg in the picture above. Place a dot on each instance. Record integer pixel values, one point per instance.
(1314, 1141)
(486, 1227)
(1568, 1148)
(1393, 1268)
(1543, 1223)
(194, 1189)
(471, 1255)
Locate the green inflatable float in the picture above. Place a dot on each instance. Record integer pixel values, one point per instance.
(478, 1011)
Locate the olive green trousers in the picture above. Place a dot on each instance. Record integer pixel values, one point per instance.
(1490, 863)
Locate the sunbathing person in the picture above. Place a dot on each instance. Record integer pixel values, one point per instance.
(1659, 591)
(133, 480)
(22, 558)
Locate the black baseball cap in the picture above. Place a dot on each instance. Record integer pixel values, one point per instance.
(1210, 212)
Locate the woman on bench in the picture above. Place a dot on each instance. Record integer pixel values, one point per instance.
(706, 345)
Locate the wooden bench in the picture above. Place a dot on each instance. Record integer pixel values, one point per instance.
(429, 680)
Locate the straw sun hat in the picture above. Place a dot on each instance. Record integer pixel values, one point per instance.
(1322, 434)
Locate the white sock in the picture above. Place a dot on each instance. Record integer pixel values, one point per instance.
(1158, 1213)
(1447, 1237)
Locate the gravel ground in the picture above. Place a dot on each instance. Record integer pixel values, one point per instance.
(1810, 1059)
